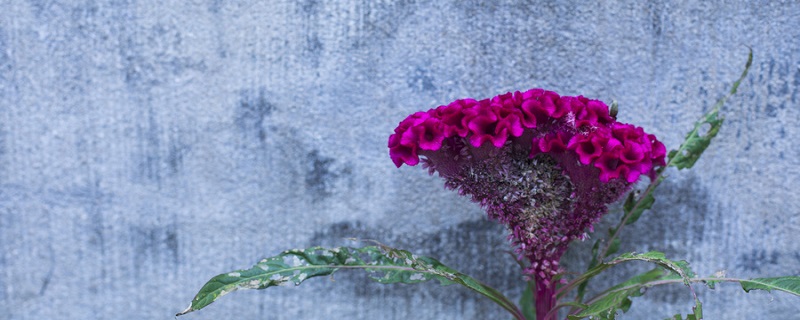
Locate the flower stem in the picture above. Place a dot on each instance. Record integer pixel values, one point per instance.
(545, 298)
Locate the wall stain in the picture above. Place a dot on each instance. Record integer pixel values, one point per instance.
(314, 45)
(797, 265)
(84, 18)
(156, 159)
(656, 12)
(776, 77)
(221, 48)
(46, 10)
(5, 62)
(322, 175)
(251, 113)
(48, 276)
(176, 152)
(382, 21)
(215, 6)
(153, 57)
(421, 80)
(311, 51)
(94, 200)
(6, 219)
(771, 110)
(175, 156)
(757, 259)
(683, 200)
(2, 152)
(148, 158)
(796, 83)
(310, 7)
(94, 238)
(89, 239)
(154, 246)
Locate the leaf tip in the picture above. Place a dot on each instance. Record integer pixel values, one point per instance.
(188, 309)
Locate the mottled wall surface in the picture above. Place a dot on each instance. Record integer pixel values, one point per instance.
(145, 147)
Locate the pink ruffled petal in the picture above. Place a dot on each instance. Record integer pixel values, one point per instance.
(608, 163)
(659, 151)
(531, 111)
(587, 147)
(511, 121)
(402, 154)
(429, 134)
(631, 153)
(482, 124)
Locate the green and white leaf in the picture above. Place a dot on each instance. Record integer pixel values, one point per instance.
(382, 263)
(635, 207)
(606, 304)
(789, 284)
(696, 142)
(680, 268)
(618, 297)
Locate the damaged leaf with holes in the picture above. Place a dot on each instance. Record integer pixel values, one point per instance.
(698, 141)
(606, 304)
(618, 297)
(382, 263)
(790, 284)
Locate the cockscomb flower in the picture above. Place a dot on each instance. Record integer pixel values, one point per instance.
(544, 165)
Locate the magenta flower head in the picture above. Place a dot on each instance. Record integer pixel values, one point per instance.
(544, 165)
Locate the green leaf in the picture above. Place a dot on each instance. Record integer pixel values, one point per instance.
(613, 247)
(605, 304)
(383, 264)
(786, 284)
(526, 301)
(635, 211)
(789, 284)
(603, 308)
(574, 304)
(593, 263)
(698, 311)
(679, 317)
(695, 143)
(692, 316)
(613, 297)
(618, 297)
(681, 268)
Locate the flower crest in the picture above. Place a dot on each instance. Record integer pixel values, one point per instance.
(557, 124)
(544, 165)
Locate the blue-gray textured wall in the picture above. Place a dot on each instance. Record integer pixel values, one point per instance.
(147, 146)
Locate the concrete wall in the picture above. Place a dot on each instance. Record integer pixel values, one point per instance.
(147, 146)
